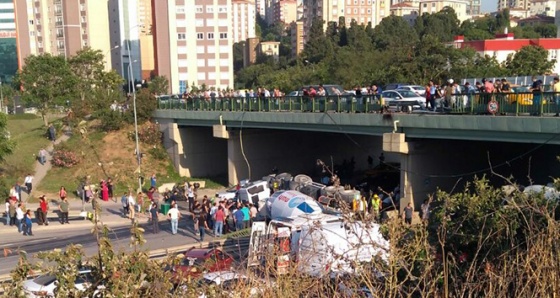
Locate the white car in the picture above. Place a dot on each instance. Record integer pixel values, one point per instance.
(421, 90)
(222, 282)
(403, 99)
(45, 285)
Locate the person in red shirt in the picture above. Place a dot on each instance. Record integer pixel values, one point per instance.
(44, 205)
(219, 218)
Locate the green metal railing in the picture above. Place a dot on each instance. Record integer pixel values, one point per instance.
(476, 104)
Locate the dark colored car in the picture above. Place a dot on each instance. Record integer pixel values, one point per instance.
(198, 261)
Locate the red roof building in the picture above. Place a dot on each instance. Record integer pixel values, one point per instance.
(506, 44)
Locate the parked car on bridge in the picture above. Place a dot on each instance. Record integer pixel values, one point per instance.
(420, 90)
(403, 99)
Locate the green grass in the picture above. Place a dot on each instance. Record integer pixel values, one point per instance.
(174, 177)
(29, 133)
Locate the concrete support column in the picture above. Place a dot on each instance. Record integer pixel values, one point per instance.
(237, 166)
(173, 143)
(395, 142)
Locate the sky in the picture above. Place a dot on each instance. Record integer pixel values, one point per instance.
(489, 5)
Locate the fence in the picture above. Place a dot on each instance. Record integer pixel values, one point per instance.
(521, 81)
(476, 104)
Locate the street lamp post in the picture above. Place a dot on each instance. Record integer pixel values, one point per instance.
(138, 154)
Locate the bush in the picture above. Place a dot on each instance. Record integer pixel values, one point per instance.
(146, 105)
(63, 157)
(149, 134)
(158, 153)
(109, 120)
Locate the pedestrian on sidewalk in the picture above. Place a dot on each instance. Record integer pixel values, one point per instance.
(131, 204)
(202, 224)
(19, 218)
(407, 213)
(17, 188)
(52, 133)
(140, 202)
(110, 189)
(153, 180)
(154, 217)
(7, 212)
(42, 156)
(12, 212)
(124, 202)
(28, 183)
(14, 193)
(174, 216)
(190, 196)
(27, 231)
(104, 191)
(197, 211)
(64, 207)
(62, 193)
(44, 204)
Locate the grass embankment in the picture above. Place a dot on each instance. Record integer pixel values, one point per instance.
(104, 155)
(29, 134)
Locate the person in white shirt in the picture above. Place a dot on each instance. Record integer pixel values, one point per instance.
(174, 215)
(28, 183)
(131, 203)
(19, 218)
(14, 193)
(7, 212)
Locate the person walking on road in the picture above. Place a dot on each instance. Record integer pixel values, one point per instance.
(12, 212)
(190, 196)
(42, 156)
(124, 202)
(154, 218)
(64, 207)
(202, 224)
(19, 218)
(219, 218)
(28, 224)
(28, 183)
(174, 216)
(62, 193)
(131, 204)
(7, 212)
(52, 133)
(44, 205)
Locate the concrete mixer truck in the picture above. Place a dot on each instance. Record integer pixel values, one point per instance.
(299, 232)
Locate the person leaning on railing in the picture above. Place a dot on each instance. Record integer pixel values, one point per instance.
(556, 90)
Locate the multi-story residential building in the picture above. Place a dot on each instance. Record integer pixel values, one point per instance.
(407, 10)
(362, 11)
(523, 4)
(125, 39)
(270, 48)
(260, 6)
(244, 19)
(543, 7)
(473, 7)
(193, 43)
(366, 11)
(250, 51)
(62, 27)
(284, 11)
(146, 37)
(8, 42)
(557, 18)
(297, 38)
(433, 6)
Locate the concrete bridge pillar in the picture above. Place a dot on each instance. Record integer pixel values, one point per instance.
(395, 143)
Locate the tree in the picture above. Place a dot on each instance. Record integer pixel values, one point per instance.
(318, 46)
(6, 145)
(530, 60)
(238, 55)
(87, 66)
(394, 32)
(443, 24)
(159, 85)
(47, 80)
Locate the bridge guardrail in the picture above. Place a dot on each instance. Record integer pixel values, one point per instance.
(466, 103)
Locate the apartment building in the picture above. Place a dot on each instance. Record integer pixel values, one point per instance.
(8, 41)
(543, 7)
(284, 11)
(270, 48)
(193, 43)
(146, 38)
(520, 4)
(362, 11)
(260, 6)
(433, 6)
(297, 38)
(244, 14)
(62, 27)
(407, 10)
(125, 39)
(473, 7)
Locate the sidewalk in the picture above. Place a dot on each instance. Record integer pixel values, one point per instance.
(42, 170)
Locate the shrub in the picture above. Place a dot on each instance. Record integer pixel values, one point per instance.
(146, 105)
(109, 120)
(158, 153)
(149, 134)
(63, 157)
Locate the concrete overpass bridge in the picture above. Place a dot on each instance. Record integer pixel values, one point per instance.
(434, 150)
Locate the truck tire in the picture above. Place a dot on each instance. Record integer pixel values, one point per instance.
(303, 179)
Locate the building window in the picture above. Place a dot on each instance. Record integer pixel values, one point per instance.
(84, 20)
(30, 22)
(40, 44)
(210, 9)
(82, 7)
(223, 35)
(31, 33)
(222, 9)
(200, 36)
(210, 35)
(181, 10)
(198, 9)
(181, 36)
